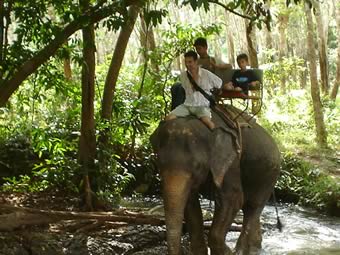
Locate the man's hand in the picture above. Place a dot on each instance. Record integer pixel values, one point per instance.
(254, 84)
(228, 86)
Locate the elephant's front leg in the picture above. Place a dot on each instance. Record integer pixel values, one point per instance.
(228, 202)
(194, 223)
(176, 186)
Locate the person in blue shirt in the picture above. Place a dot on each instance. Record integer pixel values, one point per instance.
(244, 78)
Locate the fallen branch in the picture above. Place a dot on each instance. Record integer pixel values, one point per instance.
(16, 217)
(22, 216)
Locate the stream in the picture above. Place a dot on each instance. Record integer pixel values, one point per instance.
(305, 232)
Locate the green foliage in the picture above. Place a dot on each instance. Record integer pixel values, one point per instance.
(23, 184)
(58, 152)
(111, 181)
(289, 116)
(311, 185)
(35, 23)
(30, 26)
(154, 17)
(57, 166)
(288, 69)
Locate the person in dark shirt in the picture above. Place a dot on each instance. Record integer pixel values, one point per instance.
(244, 78)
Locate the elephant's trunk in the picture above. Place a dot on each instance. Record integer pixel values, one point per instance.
(176, 186)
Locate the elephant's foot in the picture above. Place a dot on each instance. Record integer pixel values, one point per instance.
(198, 248)
(248, 251)
(198, 251)
(248, 244)
(225, 250)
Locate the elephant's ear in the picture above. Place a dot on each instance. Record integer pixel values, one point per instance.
(154, 139)
(223, 154)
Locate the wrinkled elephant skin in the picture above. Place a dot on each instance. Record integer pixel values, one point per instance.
(188, 156)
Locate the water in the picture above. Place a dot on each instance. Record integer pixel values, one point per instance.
(305, 232)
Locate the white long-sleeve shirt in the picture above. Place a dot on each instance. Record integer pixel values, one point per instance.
(206, 80)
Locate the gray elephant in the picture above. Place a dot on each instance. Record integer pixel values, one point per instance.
(189, 156)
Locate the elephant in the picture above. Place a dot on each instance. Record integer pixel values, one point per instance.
(191, 157)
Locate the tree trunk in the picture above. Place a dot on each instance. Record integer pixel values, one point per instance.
(337, 77)
(147, 39)
(8, 86)
(303, 75)
(67, 68)
(283, 22)
(269, 38)
(251, 40)
(5, 16)
(2, 31)
(112, 77)
(87, 146)
(269, 43)
(322, 44)
(321, 134)
(116, 63)
(230, 39)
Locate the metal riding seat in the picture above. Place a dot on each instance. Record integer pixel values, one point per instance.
(230, 96)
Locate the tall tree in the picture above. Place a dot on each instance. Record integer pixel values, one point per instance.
(116, 62)
(283, 19)
(112, 77)
(268, 33)
(337, 76)
(321, 134)
(87, 143)
(67, 63)
(251, 41)
(322, 44)
(230, 38)
(147, 40)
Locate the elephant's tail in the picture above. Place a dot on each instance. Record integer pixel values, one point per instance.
(279, 224)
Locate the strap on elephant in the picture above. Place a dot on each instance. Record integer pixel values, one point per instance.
(234, 125)
(210, 98)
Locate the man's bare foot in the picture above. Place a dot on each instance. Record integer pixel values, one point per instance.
(208, 122)
(170, 117)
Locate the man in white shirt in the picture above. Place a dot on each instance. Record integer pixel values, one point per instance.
(195, 103)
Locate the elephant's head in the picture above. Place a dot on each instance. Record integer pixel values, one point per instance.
(188, 144)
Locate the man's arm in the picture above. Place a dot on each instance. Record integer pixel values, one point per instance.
(215, 81)
(254, 82)
(217, 63)
(184, 79)
(223, 66)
